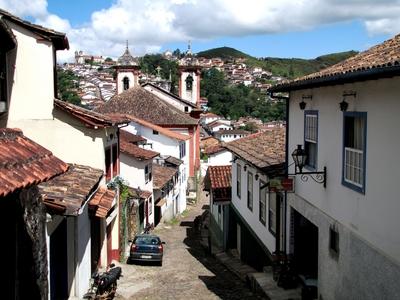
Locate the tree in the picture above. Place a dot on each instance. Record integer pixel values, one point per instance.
(67, 84)
(108, 59)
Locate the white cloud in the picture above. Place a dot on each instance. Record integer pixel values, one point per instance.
(148, 24)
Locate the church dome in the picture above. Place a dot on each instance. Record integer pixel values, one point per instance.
(127, 59)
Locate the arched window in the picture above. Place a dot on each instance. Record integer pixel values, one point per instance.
(189, 83)
(126, 83)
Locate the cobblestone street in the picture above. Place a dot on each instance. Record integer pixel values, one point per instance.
(188, 272)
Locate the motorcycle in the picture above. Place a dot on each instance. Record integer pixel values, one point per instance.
(104, 285)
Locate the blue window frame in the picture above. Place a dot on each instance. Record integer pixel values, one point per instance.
(354, 150)
(311, 138)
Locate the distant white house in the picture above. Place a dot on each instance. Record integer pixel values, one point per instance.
(230, 135)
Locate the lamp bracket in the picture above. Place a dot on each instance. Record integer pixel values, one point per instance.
(318, 176)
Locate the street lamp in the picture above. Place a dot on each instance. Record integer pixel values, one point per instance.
(299, 157)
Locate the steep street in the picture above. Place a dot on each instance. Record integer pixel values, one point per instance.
(188, 272)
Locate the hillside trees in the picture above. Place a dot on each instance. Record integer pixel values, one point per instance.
(67, 84)
(235, 101)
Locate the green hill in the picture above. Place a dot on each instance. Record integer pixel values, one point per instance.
(223, 53)
(287, 67)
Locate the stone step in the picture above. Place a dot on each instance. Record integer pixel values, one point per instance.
(262, 282)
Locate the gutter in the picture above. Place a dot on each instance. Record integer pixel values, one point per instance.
(350, 77)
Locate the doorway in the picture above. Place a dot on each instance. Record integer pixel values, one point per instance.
(305, 246)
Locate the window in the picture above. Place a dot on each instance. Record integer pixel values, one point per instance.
(155, 132)
(272, 213)
(115, 160)
(334, 240)
(311, 137)
(189, 83)
(126, 83)
(147, 173)
(111, 162)
(182, 150)
(238, 180)
(263, 199)
(354, 147)
(250, 190)
(186, 109)
(108, 164)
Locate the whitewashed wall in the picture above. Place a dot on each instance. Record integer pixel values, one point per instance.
(32, 95)
(251, 217)
(374, 215)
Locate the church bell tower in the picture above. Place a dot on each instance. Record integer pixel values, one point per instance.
(127, 71)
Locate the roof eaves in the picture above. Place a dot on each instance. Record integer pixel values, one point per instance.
(339, 78)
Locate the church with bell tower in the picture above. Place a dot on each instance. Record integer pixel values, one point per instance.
(189, 78)
(128, 71)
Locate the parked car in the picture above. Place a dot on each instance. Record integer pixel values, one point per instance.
(147, 247)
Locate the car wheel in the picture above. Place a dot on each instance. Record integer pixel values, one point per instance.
(160, 263)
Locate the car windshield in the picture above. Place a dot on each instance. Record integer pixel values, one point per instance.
(144, 240)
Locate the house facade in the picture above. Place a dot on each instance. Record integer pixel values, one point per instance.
(217, 183)
(345, 119)
(254, 210)
(230, 135)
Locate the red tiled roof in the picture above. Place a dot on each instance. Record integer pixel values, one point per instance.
(24, 162)
(214, 149)
(101, 203)
(382, 60)
(232, 131)
(133, 150)
(132, 138)
(140, 103)
(67, 193)
(220, 176)
(218, 182)
(169, 94)
(161, 175)
(142, 194)
(208, 141)
(90, 118)
(262, 149)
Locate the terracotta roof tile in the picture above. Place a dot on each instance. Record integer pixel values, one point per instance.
(69, 191)
(90, 118)
(132, 138)
(101, 203)
(140, 103)
(383, 58)
(24, 162)
(210, 150)
(173, 160)
(263, 149)
(218, 182)
(232, 131)
(208, 141)
(133, 150)
(142, 194)
(161, 175)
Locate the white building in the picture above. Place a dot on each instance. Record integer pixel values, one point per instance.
(345, 235)
(258, 158)
(216, 155)
(230, 135)
(218, 184)
(167, 143)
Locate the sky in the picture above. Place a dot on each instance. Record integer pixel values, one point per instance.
(275, 28)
